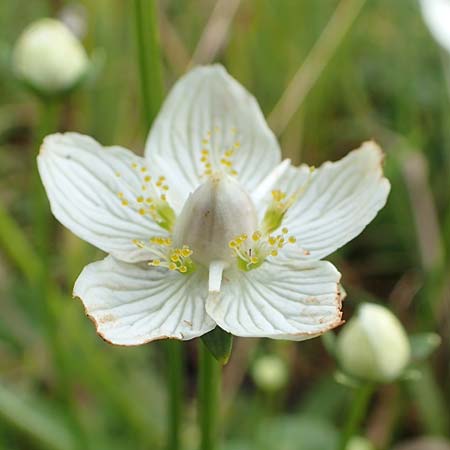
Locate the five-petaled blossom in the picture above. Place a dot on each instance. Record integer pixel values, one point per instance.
(210, 228)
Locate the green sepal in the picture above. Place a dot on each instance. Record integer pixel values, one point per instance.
(423, 345)
(219, 343)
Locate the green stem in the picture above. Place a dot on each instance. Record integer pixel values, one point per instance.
(208, 397)
(152, 93)
(42, 220)
(357, 412)
(149, 57)
(175, 376)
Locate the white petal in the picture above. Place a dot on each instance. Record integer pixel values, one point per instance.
(133, 304)
(82, 184)
(340, 200)
(209, 100)
(281, 301)
(436, 14)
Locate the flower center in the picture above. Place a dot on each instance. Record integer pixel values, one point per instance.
(214, 213)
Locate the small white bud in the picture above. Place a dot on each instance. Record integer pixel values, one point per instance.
(436, 14)
(270, 373)
(373, 345)
(214, 214)
(49, 57)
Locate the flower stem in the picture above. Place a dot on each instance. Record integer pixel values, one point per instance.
(357, 412)
(48, 120)
(175, 376)
(208, 397)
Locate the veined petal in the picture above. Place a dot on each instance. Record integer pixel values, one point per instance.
(133, 304)
(208, 110)
(95, 192)
(294, 301)
(339, 200)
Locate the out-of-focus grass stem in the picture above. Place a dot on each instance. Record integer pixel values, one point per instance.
(314, 64)
(149, 57)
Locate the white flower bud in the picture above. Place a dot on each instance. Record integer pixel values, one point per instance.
(270, 373)
(373, 345)
(214, 214)
(49, 57)
(436, 14)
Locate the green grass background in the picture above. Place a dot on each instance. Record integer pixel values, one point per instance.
(61, 387)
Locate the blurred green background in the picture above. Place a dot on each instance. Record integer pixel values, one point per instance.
(62, 387)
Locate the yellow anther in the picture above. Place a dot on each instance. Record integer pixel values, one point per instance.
(274, 253)
(144, 169)
(203, 159)
(229, 153)
(183, 269)
(237, 144)
(144, 187)
(125, 202)
(186, 252)
(134, 166)
(120, 195)
(175, 258)
(172, 266)
(140, 199)
(148, 178)
(164, 197)
(142, 212)
(284, 230)
(204, 152)
(292, 239)
(272, 240)
(232, 244)
(233, 172)
(165, 187)
(148, 200)
(254, 259)
(156, 262)
(256, 236)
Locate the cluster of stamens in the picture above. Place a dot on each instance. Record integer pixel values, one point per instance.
(150, 199)
(225, 161)
(172, 258)
(252, 252)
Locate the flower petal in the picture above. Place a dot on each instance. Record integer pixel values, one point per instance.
(207, 104)
(83, 181)
(133, 304)
(340, 200)
(281, 301)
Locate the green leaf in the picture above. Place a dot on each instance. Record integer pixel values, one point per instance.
(423, 345)
(219, 343)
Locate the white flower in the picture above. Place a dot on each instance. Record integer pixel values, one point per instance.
(373, 345)
(49, 57)
(436, 14)
(210, 228)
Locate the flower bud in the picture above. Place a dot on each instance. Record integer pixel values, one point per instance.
(214, 214)
(436, 14)
(373, 345)
(270, 373)
(49, 58)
